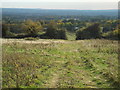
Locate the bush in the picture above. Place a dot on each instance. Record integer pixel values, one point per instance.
(115, 35)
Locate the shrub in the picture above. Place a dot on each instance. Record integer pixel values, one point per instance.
(112, 35)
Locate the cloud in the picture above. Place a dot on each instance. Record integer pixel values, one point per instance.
(62, 5)
(59, 0)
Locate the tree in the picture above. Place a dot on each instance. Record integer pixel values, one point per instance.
(62, 34)
(95, 31)
(5, 30)
(92, 31)
(32, 28)
(53, 32)
(115, 34)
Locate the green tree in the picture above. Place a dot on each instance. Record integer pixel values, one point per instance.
(62, 34)
(32, 28)
(53, 32)
(115, 34)
(92, 31)
(6, 31)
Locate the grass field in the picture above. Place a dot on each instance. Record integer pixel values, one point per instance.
(60, 64)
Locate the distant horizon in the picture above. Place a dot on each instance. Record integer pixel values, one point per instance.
(57, 9)
(62, 5)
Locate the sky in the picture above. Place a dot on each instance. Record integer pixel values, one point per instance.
(61, 4)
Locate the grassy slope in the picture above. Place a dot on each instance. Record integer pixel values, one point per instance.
(72, 64)
(71, 35)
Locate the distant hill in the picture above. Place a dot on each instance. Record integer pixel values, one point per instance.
(44, 12)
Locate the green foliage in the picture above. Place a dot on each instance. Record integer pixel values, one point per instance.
(52, 32)
(16, 28)
(109, 25)
(115, 34)
(6, 31)
(56, 29)
(61, 34)
(90, 32)
(32, 28)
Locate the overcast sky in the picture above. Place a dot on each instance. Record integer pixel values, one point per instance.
(61, 4)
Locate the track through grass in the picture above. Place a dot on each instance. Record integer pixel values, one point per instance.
(60, 64)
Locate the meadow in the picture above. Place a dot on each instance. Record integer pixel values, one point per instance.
(60, 63)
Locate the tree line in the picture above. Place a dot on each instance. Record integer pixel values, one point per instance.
(56, 29)
(31, 28)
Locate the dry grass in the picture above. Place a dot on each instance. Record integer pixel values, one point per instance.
(60, 64)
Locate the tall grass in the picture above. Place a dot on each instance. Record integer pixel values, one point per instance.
(68, 64)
